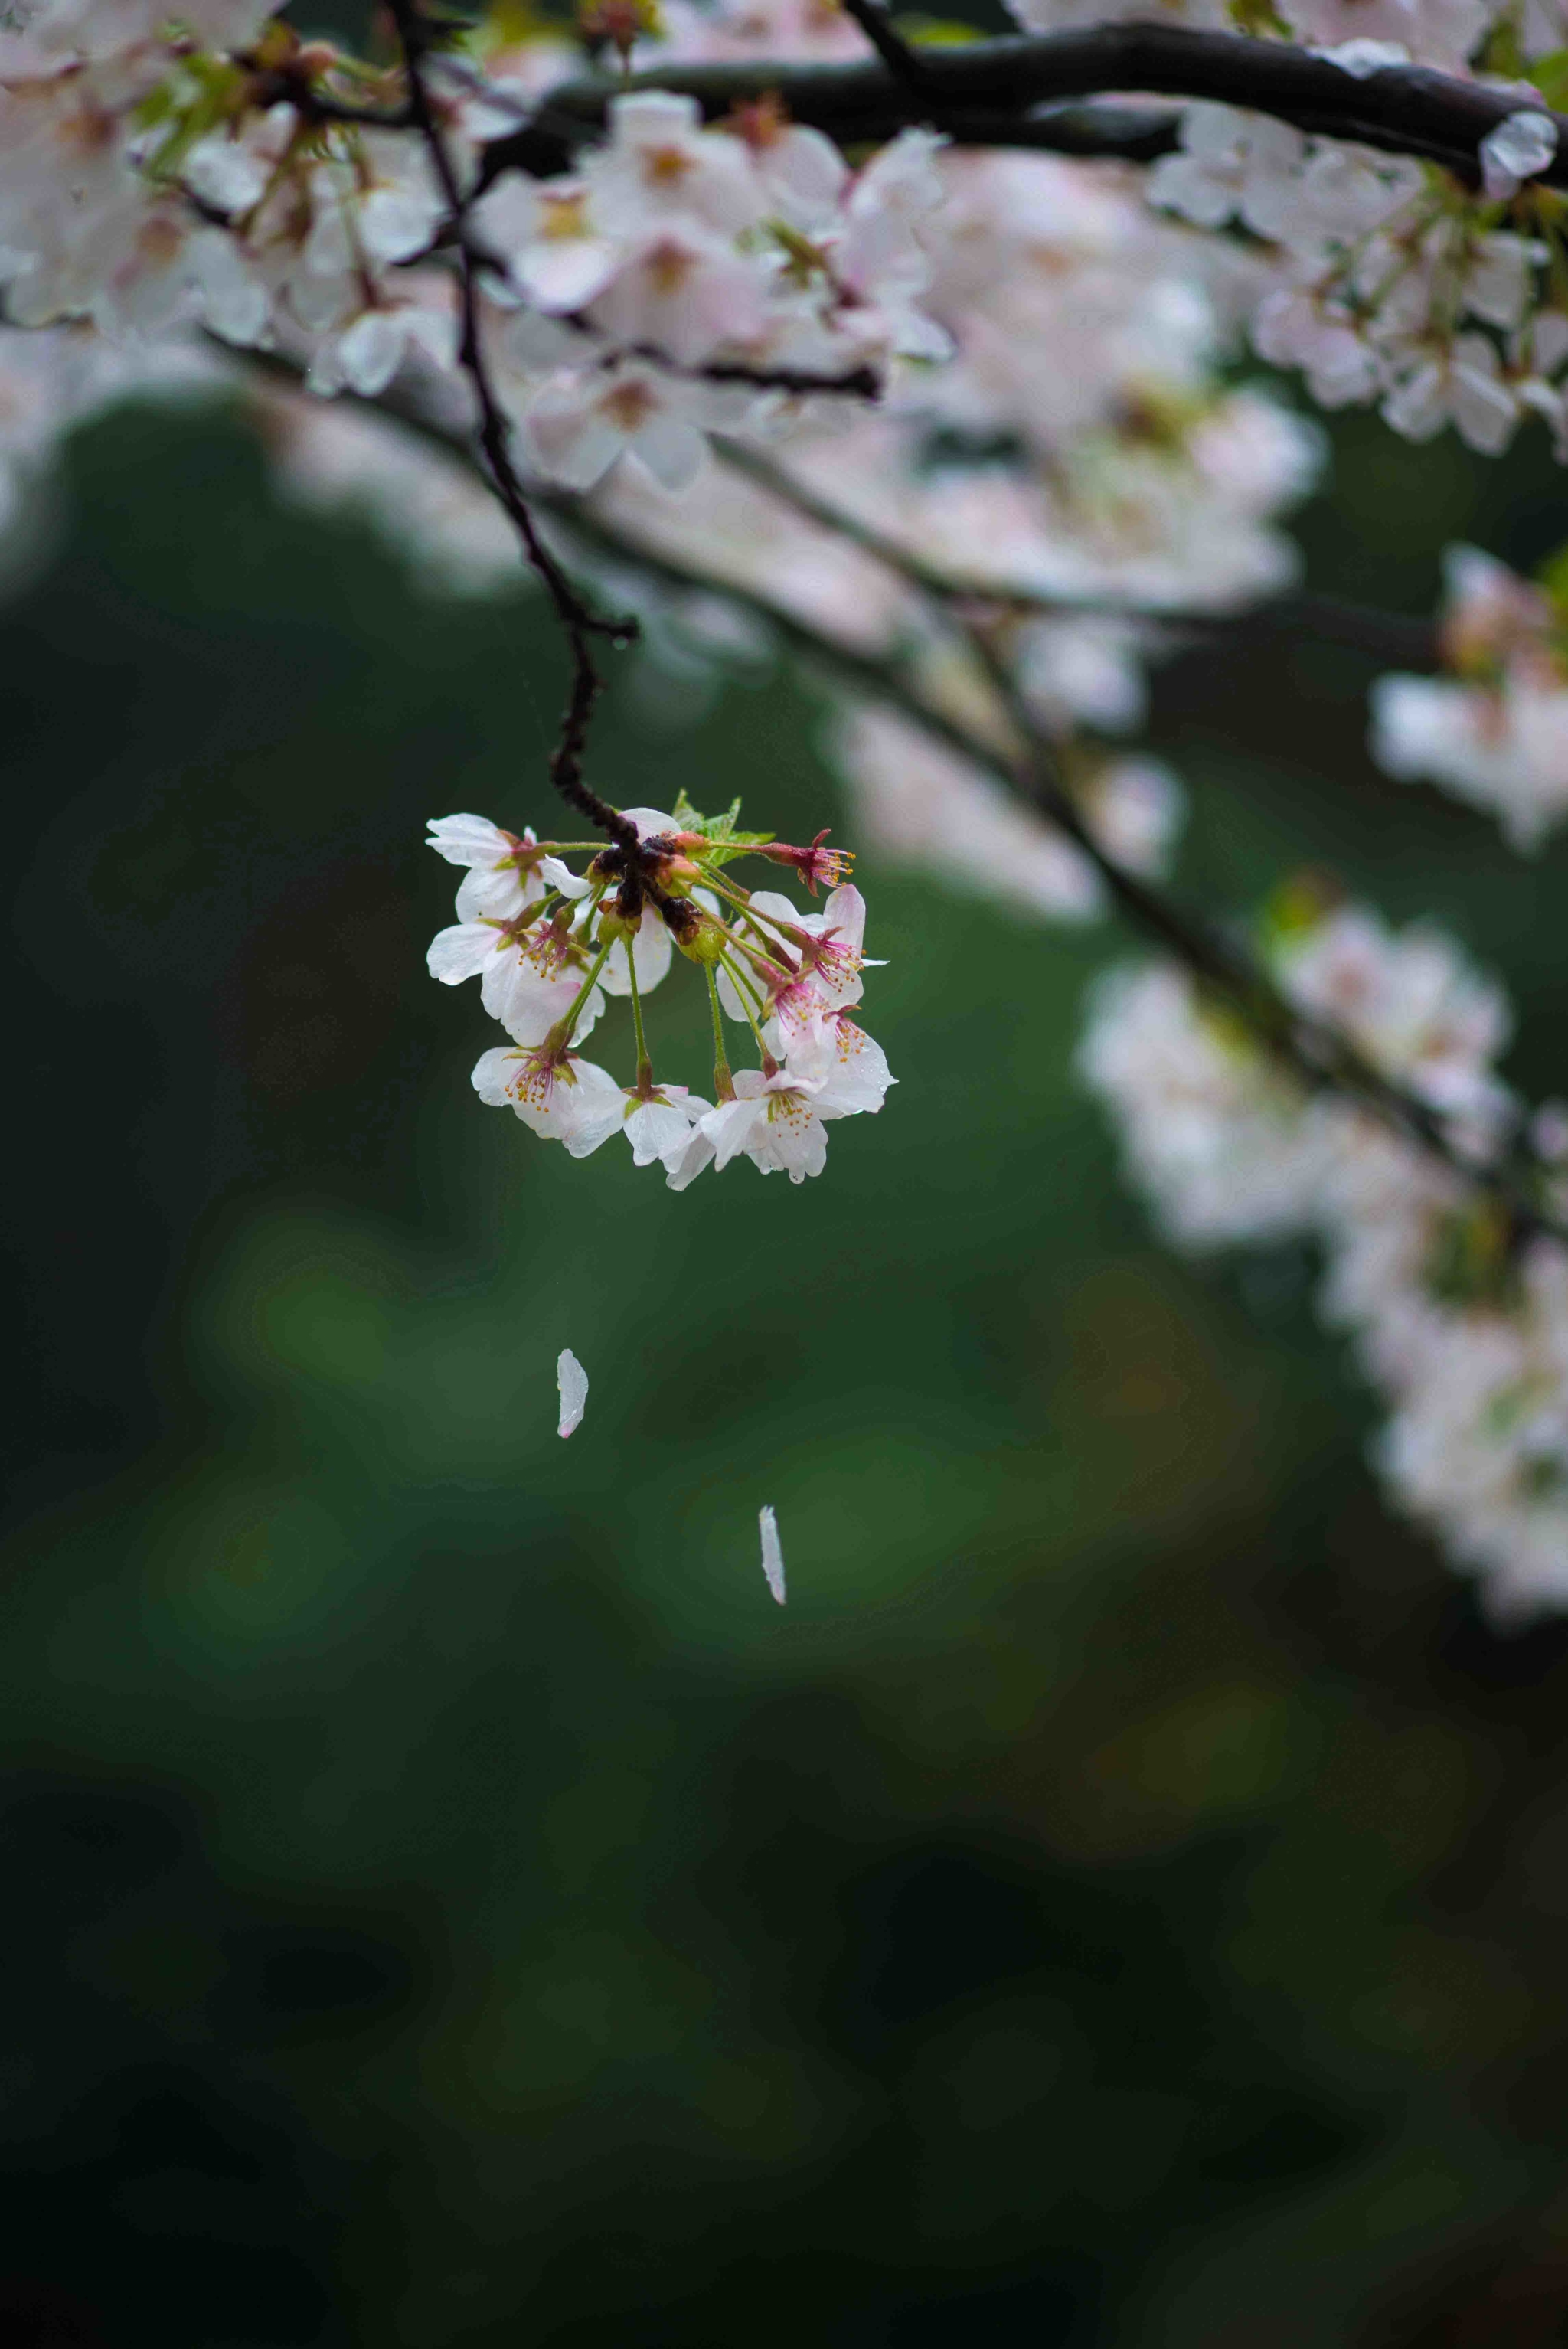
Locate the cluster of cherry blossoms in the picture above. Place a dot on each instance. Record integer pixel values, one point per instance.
(209, 169)
(1494, 730)
(1457, 1300)
(549, 946)
(967, 420)
(1386, 280)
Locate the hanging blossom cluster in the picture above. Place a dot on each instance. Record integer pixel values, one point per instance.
(966, 421)
(1459, 1309)
(549, 946)
(1387, 281)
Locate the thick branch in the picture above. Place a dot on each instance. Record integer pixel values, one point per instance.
(992, 93)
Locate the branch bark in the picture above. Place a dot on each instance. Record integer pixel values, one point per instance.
(579, 622)
(1318, 1054)
(1001, 93)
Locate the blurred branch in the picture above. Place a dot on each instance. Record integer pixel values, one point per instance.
(1318, 1054)
(1001, 93)
(1381, 636)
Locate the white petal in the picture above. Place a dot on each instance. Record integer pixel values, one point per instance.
(493, 1071)
(683, 1166)
(729, 1127)
(654, 1129)
(1517, 150)
(561, 876)
(653, 948)
(771, 901)
(572, 1380)
(772, 1556)
(469, 840)
(461, 952)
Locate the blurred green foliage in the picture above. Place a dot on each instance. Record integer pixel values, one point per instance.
(1120, 1900)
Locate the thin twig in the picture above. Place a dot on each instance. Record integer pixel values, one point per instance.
(579, 622)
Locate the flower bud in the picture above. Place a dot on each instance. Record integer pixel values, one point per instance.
(699, 938)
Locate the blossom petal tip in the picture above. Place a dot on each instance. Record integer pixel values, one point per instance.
(571, 1379)
(772, 1554)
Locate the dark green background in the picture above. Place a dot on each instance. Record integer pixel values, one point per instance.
(1120, 1900)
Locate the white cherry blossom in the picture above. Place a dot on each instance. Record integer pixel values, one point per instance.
(558, 1096)
(775, 1121)
(658, 1124)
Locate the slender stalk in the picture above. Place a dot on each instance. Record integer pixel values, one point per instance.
(567, 1021)
(746, 995)
(645, 1065)
(723, 1083)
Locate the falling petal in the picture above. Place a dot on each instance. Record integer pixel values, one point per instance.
(573, 1380)
(772, 1556)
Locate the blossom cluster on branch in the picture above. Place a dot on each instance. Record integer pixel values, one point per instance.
(548, 945)
(1461, 1324)
(805, 332)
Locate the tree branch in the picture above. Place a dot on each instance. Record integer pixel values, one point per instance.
(1381, 636)
(579, 623)
(1315, 1051)
(990, 93)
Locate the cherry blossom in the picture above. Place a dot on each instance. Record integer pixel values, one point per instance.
(775, 1120)
(556, 1095)
(977, 425)
(1495, 730)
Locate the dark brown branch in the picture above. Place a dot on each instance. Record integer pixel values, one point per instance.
(579, 623)
(905, 62)
(1313, 1049)
(860, 383)
(992, 93)
(857, 383)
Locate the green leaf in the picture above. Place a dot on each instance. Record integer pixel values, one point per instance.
(1261, 18)
(936, 32)
(724, 841)
(1553, 576)
(1550, 75)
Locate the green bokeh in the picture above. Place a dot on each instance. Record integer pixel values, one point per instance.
(1118, 1901)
